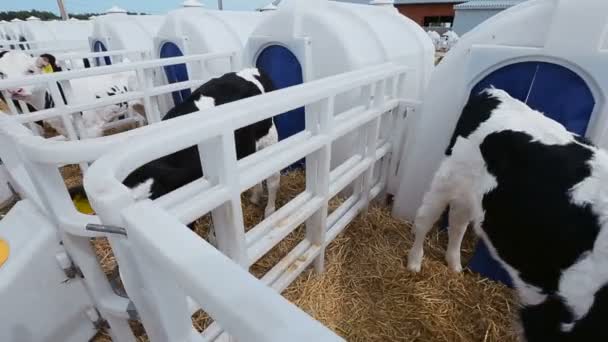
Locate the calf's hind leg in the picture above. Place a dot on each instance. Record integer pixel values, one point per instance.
(256, 194)
(430, 211)
(459, 217)
(272, 183)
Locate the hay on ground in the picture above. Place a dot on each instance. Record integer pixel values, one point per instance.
(4, 107)
(366, 292)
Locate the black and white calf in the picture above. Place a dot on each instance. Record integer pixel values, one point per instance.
(538, 197)
(166, 174)
(17, 64)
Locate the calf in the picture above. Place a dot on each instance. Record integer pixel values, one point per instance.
(168, 173)
(537, 195)
(435, 38)
(16, 64)
(448, 40)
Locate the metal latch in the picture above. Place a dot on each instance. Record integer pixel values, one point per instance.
(102, 228)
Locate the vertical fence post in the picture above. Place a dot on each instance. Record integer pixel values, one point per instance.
(9, 102)
(387, 121)
(65, 116)
(169, 299)
(109, 208)
(152, 114)
(14, 111)
(25, 110)
(386, 136)
(218, 158)
(52, 191)
(399, 131)
(319, 121)
(60, 105)
(78, 119)
(371, 141)
(366, 95)
(205, 73)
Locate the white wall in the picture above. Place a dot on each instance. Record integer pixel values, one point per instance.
(466, 20)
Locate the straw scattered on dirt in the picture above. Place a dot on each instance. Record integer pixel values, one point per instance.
(4, 107)
(366, 292)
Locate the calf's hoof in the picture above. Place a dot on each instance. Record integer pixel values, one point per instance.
(414, 261)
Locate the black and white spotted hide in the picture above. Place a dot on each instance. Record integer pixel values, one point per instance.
(17, 64)
(538, 197)
(183, 167)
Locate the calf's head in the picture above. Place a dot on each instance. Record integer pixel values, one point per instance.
(17, 64)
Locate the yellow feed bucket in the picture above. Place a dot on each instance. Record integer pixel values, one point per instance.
(4, 252)
(83, 205)
(81, 201)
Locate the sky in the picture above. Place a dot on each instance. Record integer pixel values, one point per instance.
(148, 6)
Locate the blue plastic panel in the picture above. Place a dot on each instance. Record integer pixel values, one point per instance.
(99, 47)
(175, 73)
(552, 89)
(284, 69)
(549, 88)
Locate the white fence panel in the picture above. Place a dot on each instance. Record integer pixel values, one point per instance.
(147, 89)
(225, 178)
(44, 46)
(33, 165)
(75, 60)
(243, 305)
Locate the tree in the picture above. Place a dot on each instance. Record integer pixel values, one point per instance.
(45, 15)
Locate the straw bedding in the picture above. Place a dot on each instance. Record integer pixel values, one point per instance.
(366, 292)
(4, 107)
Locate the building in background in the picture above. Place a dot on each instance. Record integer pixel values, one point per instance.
(444, 15)
(436, 15)
(429, 13)
(472, 13)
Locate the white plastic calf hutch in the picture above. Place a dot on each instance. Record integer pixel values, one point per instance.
(118, 31)
(193, 29)
(306, 40)
(552, 54)
(12, 32)
(57, 35)
(3, 35)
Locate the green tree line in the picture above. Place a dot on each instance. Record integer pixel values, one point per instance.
(45, 15)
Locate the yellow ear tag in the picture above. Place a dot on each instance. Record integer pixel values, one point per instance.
(4, 251)
(48, 69)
